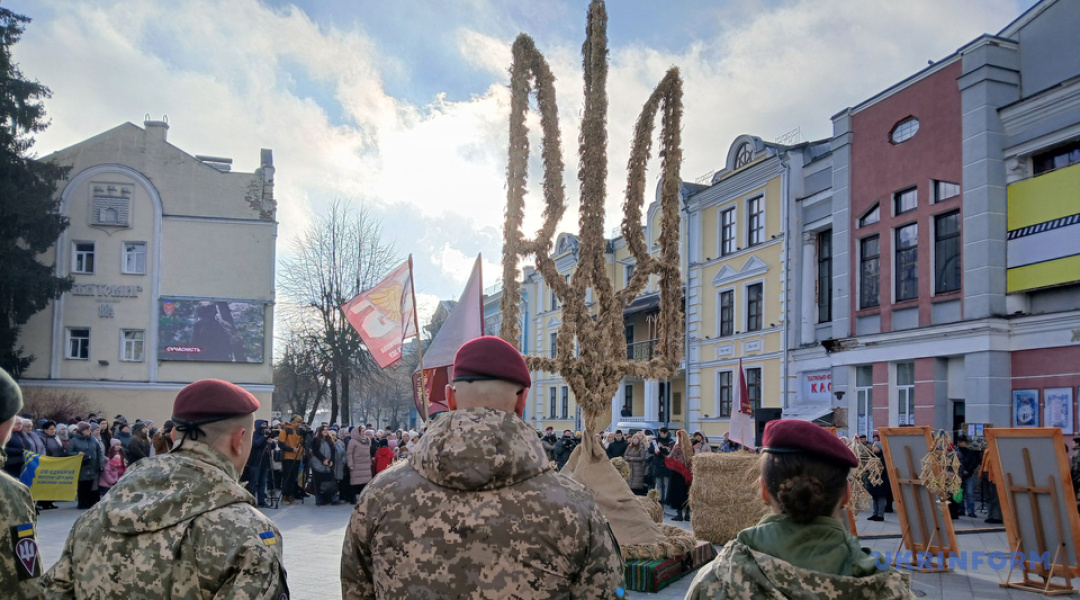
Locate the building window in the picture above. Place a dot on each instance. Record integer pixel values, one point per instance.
(864, 394)
(727, 313)
(629, 273)
(753, 388)
(869, 271)
(727, 232)
(78, 344)
(754, 303)
(553, 300)
(723, 387)
(565, 402)
(943, 190)
(947, 272)
(905, 201)
(1058, 158)
(82, 259)
(554, 347)
(871, 217)
(744, 155)
(905, 386)
(904, 130)
(132, 345)
(824, 276)
(907, 262)
(628, 397)
(135, 258)
(755, 224)
(553, 393)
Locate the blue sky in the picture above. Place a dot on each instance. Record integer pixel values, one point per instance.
(402, 106)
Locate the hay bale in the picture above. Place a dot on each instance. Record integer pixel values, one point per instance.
(724, 498)
(622, 467)
(652, 505)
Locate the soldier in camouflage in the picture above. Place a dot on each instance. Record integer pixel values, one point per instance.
(180, 525)
(477, 511)
(20, 560)
(801, 550)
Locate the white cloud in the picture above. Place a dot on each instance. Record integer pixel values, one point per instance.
(228, 75)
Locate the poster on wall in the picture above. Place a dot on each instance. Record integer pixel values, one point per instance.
(1058, 410)
(211, 330)
(1025, 408)
(817, 386)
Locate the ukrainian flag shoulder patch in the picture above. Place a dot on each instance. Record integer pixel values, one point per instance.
(268, 538)
(25, 530)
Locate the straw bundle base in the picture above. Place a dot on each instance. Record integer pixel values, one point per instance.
(724, 498)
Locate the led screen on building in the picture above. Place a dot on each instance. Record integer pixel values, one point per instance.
(211, 330)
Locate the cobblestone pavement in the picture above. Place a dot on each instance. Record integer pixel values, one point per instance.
(313, 537)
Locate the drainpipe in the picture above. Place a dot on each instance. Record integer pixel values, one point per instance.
(686, 314)
(785, 191)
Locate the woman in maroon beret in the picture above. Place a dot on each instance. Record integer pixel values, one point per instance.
(800, 549)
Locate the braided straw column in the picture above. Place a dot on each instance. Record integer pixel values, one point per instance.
(595, 374)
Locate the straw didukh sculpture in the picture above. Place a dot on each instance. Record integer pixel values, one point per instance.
(595, 372)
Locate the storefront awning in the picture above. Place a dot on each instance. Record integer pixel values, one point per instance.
(819, 412)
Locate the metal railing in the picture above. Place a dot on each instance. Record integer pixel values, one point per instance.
(642, 350)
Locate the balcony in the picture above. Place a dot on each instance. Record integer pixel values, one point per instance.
(642, 350)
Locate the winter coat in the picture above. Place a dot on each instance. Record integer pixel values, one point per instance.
(617, 448)
(882, 489)
(114, 470)
(563, 449)
(339, 460)
(321, 450)
(477, 512)
(14, 451)
(125, 439)
(292, 437)
(778, 558)
(93, 460)
(383, 458)
(637, 457)
(548, 442)
(53, 445)
(257, 460)
(358, 456)
(178, 525)
(138, 449)
(659, 469)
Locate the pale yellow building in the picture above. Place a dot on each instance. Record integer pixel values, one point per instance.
(738, 292)
(172, 257)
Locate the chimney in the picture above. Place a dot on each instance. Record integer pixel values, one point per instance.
(266, 157)
(157, 130)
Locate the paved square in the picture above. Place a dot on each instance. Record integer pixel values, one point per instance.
(313, 537)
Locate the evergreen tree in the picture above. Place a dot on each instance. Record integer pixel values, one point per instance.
(30, 219)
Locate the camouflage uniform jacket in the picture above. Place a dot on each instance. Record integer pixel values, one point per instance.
(477, 512)
(748, 567)
(175, 526)
(20, 560)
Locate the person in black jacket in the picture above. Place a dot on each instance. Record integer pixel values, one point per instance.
(879, 492)
(969, 468)
(618, 447)
(661, 447)
(258, 464)
(564, 447)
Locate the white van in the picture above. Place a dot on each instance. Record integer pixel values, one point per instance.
(651, 428)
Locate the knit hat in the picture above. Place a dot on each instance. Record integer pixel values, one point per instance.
(83, 426)
(11, 400)
(114, 442)
(95, 427)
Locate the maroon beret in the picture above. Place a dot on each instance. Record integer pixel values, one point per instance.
(213, 399)
(793, 435)
(490, 357)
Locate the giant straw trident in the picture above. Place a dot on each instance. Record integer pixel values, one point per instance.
(603, 363)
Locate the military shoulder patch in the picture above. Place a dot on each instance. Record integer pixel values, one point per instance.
(25, 550)
(268, 538)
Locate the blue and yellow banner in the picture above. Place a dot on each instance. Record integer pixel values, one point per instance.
(50, 478)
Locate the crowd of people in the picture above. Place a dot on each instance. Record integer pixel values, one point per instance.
(330, 462)
(107, 449)
(492, 516)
